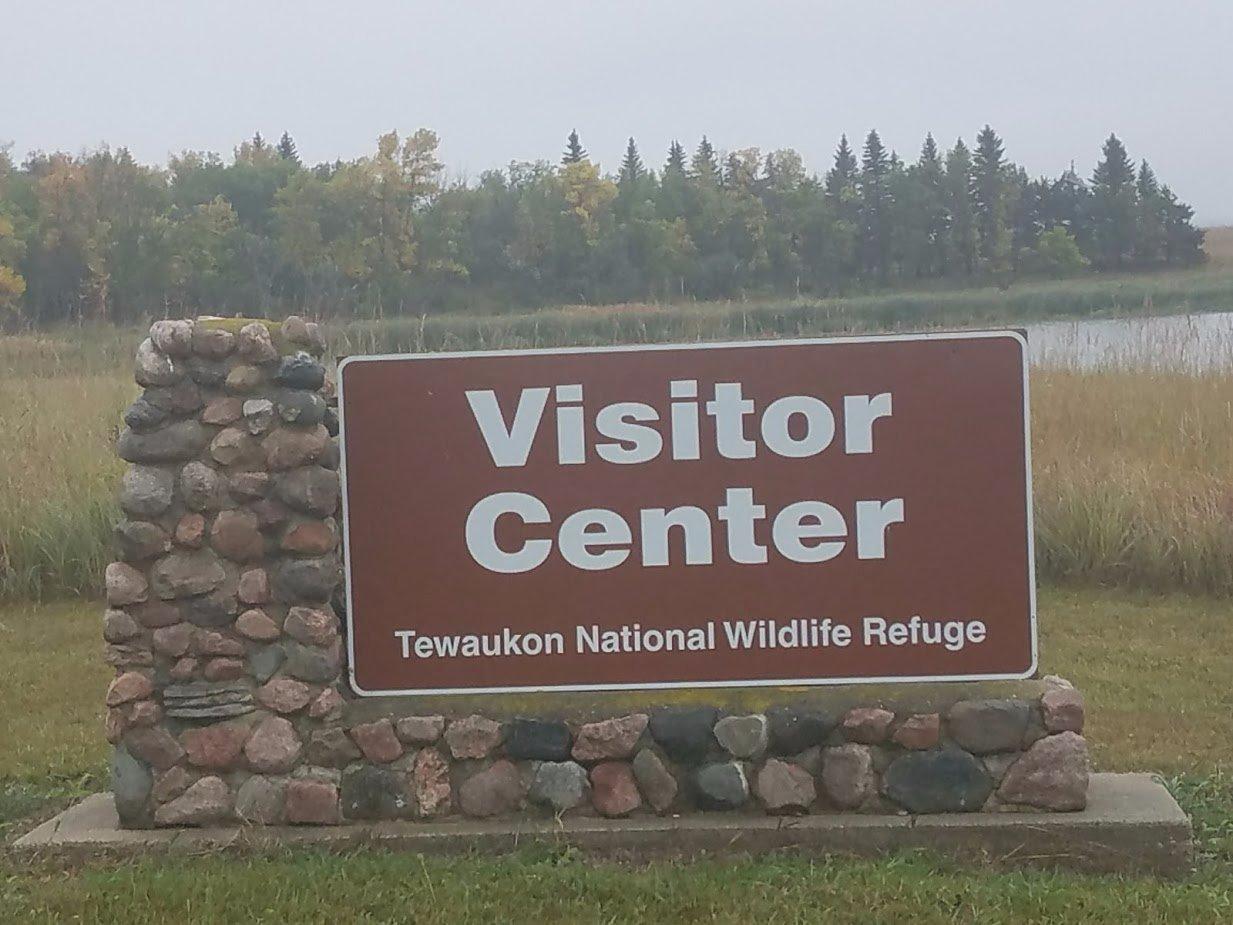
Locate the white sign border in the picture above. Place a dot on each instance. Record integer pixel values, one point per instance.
(1019, 338)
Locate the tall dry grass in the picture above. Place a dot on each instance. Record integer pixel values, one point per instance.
(1133, 465)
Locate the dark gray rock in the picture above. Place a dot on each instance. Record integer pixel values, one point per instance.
(685, 733)
(537, 740)
(137, 540)
(143, 415)
(209, 373)
(211, 610)
(330, 420)
(306, 580)
(722, 785)
(130, 782)
(173, 443)
(304, 409)
(186, 574)
(986, 726)
(311, 490)
(948, 780)
(207, 700)
(264, 661)
(309, 663)
(374, 793)
(793, 731)
(146, 491)
(560, 785)
(300, 371)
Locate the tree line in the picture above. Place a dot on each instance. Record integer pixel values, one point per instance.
(100, 237)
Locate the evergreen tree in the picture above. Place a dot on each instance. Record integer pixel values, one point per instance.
(961, 237)
(631, 165)
(676, 157)
(989, 189)
(1113, 205)
(875, 230)
(574, 151)
(931, 178)
(843, 175)
(258, 142)
(704, 165)
(1183, 242)
(286, 149)
(1151, 220)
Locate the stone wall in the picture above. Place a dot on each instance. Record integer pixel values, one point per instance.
(230, 701)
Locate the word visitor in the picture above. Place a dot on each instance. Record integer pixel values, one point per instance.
(596, 538)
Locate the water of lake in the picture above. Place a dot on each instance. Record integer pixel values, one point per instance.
(1195, 343)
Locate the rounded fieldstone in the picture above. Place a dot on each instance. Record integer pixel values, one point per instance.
(249, 485)
(784, 787)
(187, 574)
(867, 725)
(984, 726)
(948, 780)
(236, 535)
(614, 791)
(685, 733)
(919, 731)
(173, 337)
(295, 331)
(173, 443)
(264, 661)
(1062, 710)
(374, 793)
(261, 800)
(289, 448)
(377, 741)
(256, 625)
(609, 738)
(215, 609)
(125, 585)
(492, 792)
(155, 746)
(472, 736)
(792, 731)
(131, 782)
(300, 371)
(284, 695)
(144, 415)
(721, 785)
(311, 490)
(307, 580)
(199, 486)
(273, 747)
(214, 343)
(537, 740)
(312, 802)
(154, 368)
(560, 785)
(311, 626)
(310, 537)
(847, 775)
(209, 373)
(206, 802)
(173, 641)
(254, 345)
(216, 746)
(146, 491)
(328, 706)
(190, 531)
(331, 748)
(303, 409)
(171, 783)
(130, 686)
(430, 782)
(258, 416)
(419, 730)
(1052, 774)
(312, 663)
(119, 626)
(138, 540)
(655, 780)
(743, 736)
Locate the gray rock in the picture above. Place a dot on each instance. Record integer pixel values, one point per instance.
(144, 415)
(537, 740)
(374, 793)
(146, 491)
(138, 540)
(254, 345)
(313, 664)
(261, 800)
(310, 490)
(306, 580)
(187, 574)
(300, 371)
(174, 338)
(199, 487)
(1052, 774)
(304, 409)
(722, 785)
(685, 732)
(214, 343)
(793, 731)
(153, 367)
(331, 748)
(264, 661)
(655, 780)
(130, 782)
(985, 726)
(173, 443)
(743, 736)
(560, 785)
(945, 781)
(258, 415)
(125, 585)
(847, 775)
(209, 373)
(206, 802)
(213, 610)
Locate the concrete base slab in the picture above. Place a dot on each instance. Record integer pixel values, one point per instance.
(1132, 824)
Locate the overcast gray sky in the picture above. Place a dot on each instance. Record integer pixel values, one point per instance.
(504, 81)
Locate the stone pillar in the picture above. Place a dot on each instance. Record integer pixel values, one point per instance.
(220, 625)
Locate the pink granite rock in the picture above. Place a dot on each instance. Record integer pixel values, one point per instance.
(784, 787)
(610, 738)
(614, 791)
(284, 695)
(377, 741)
(867, 725)
(1052, 774)
(472, 737)
(312, 802)
(430, 783)
(273, 747)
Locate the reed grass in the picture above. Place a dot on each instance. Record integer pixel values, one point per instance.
(1133, 459)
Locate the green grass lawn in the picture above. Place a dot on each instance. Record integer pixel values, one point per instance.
(1155, 670)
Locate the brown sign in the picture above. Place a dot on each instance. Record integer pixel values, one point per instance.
(800, 512)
